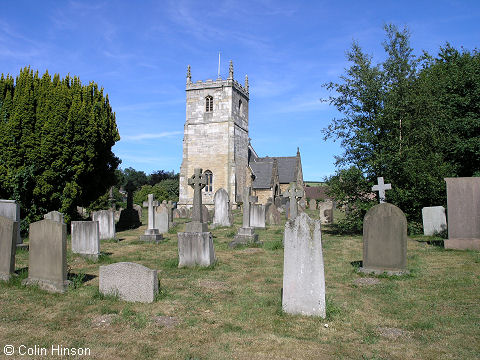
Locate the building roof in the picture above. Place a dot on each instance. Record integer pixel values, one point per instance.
(287, 166)
(263, 174)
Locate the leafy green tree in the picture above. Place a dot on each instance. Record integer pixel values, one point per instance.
(56, 137)
(411, 120)
(165, 190)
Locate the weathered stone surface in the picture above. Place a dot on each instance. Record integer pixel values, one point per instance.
(205, 214)
(312, 204)
(257, 216)
(8, 245)
(11, 210)
(326, 212)
(195, 249)
(47, 257)
(434, 220)
(176, 214)
(138, 209)
(246, 234)
(55, 216)
(151, 233)
(292, 193)
(385, 240)
(106, 223)
(184, 212)
(161, 219)
(381, 187)
(272, 215)
(463, 206)
(223, 213)
(86, 238)
(130, 281)
(303, 268)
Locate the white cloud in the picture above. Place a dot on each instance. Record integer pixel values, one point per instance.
(148, 136)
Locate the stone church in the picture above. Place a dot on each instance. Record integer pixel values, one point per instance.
(216, 139)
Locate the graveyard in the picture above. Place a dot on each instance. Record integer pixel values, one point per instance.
(233, 308)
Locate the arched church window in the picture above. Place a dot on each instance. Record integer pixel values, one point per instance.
(209, 103)
(209, 178)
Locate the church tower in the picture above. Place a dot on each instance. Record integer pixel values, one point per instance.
(215, 137)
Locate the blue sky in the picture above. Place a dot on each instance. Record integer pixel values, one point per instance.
(138, 51)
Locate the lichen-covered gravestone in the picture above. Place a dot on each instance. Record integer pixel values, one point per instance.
(11, 210)
(303, 268)
(129, 281)
(434, 220)
(385, 240)
(223, 213)
(272, 215)
(312, 204)
(55, 216)
(106, 223)
(47, 257)
(8, 245)
(326, 212)
(86, 238)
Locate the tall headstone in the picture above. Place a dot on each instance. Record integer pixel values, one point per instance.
(293, 193)
(170, 208)
(47, 256)
(11, 210)
(303, 268)
(151, 233)
(195, 245)
(223, 212)
(130, 281)
(434, 220)
(86, 238)
(161, 218)
(312, 204)
(326, 212)
(463, 206)
(8, 245)
(385, 240)
(106, 223)
(205, 214)
(381, 187)
(257, 216)
(246, 234)
(55, 216)
(129, 217)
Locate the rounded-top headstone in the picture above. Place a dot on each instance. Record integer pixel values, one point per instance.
(384, 239)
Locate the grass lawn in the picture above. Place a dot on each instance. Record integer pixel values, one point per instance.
(233, 310)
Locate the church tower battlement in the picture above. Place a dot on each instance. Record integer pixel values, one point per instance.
(215, 137)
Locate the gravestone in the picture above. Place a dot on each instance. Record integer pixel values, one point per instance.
(303, 268)
(138, 209)
(130, 281)
(55, 216)
(434, 220)
(47, 256)
(129, 217)
(272, 215)
(463, 206)
(183, 212)
(278, 201)
(292, 193)
(195, 245)
(8, 245)
(312, 204)
(176, 214)
(257, 216)
(151, 233)
(246, 234)
(170, 207)
(326, 212)
(223, 212)
(205, 214)
(11, 210)
(381, 187)
(302, 205)
(86, 238)
(384, 240)
(106, 223)
(161, 218)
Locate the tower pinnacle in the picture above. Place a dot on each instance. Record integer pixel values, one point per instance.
(230, 71)
(189, 75)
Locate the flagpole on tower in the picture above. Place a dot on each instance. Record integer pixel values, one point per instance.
(218, 77)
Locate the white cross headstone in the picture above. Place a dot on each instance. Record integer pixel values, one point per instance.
(381, 187)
